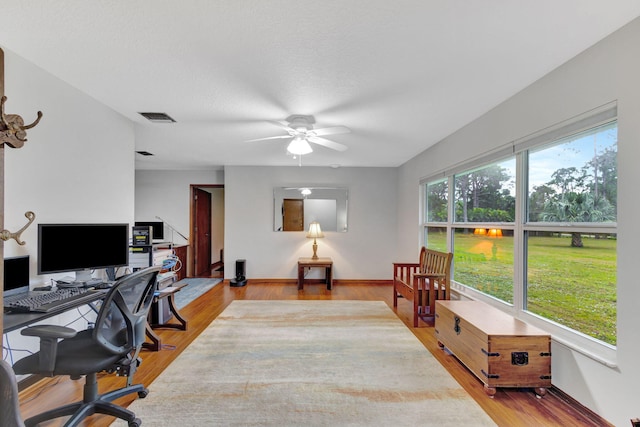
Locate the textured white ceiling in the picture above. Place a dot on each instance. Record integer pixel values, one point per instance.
(401, 74)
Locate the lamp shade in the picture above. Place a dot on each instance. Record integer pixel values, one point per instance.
(480, 231)
(315, 231)
(495, 232)
(299, 146)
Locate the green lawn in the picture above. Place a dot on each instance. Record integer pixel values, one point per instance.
(575, 287)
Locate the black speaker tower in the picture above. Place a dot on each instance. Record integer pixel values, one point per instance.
(240, 279)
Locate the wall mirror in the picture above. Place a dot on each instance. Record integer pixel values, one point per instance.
(296, 207)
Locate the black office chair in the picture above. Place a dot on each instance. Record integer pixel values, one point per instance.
(9, 404)
(112, 345)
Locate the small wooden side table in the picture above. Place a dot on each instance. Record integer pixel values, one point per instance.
(326, 263)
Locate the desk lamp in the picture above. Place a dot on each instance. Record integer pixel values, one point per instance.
(316, 233)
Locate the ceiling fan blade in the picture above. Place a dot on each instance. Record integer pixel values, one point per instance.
(327, 143)
(330, 131)
(270, 137)
(283, 125)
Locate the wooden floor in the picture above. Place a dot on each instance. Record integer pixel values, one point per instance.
(509, 407)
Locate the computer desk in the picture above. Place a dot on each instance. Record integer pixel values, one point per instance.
(14, 321)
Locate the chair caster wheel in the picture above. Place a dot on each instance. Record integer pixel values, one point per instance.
(142, 394)
(135, 423)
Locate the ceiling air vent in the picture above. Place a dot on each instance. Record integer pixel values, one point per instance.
(144, 153)
(158, 117)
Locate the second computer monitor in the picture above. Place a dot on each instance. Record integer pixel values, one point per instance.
(157, 228)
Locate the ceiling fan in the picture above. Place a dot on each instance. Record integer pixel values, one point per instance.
(300, 130)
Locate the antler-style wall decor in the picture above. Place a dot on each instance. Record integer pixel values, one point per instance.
(12, 127)
(6, 234)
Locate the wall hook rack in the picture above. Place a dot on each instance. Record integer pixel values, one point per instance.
(12, 127)
(6, 234)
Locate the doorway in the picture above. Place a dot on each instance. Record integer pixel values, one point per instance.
(293, 215)
(207, 230)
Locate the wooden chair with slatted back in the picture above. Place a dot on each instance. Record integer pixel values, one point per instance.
(423, 282)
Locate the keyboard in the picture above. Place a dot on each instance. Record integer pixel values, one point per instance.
(49, 301)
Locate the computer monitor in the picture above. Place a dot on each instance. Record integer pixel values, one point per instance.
(157, 228)
(81, 248)
(16, 274)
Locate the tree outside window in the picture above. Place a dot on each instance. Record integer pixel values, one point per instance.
(486, 194)
(437, 199)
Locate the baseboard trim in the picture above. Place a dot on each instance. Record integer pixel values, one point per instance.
(561, 395)
(362, 282)
(336, 282)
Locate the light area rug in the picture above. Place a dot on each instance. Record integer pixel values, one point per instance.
(307, 363)
(195, 287)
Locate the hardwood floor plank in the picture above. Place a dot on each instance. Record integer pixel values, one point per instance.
(509, 407)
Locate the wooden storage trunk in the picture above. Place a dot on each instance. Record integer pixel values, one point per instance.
(500, 350)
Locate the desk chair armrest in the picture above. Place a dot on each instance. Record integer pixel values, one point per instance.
(49, 331)
(49, 336)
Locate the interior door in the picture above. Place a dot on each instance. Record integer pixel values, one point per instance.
(293, 214)
(202, 244)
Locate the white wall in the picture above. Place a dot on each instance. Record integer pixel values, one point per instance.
(608, 71)
(366, 251)
(77, 165)
(166, 194)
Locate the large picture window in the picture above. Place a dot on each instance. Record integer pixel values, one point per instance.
(571, 253)
(555, 257)
(483, 254)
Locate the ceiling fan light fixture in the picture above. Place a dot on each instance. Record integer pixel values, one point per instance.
(299, 146)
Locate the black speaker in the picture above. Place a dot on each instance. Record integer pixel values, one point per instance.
(240, 279)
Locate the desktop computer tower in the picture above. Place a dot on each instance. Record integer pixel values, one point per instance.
(160, 310)
(140, 256)
(141, 235)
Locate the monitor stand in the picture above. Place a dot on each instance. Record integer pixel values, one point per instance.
(83, 276)
(81, 279)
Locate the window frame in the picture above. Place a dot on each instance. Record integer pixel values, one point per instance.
(591, 347)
